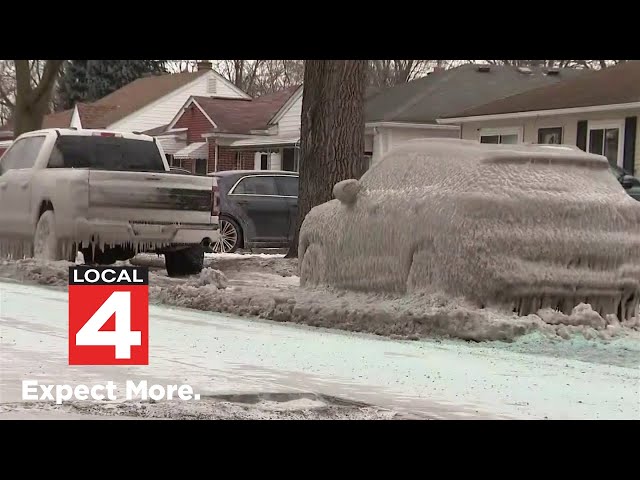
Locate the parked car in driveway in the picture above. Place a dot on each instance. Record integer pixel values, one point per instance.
(258, 209)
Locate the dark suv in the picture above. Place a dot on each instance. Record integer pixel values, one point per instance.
(630, 183)
(258, 209)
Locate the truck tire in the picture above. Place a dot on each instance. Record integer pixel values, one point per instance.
(188, 261)
(45, 240)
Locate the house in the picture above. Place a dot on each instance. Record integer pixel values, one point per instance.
(145, 103)
(412, 110)
(209, 134)
(597, 111)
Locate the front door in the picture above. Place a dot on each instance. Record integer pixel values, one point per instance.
(266, 211)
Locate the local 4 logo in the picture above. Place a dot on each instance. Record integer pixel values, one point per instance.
(108, 315)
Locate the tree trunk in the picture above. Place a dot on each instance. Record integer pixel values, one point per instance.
(332, 132)
(32, 104)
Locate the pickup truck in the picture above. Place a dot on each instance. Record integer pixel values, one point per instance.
(107, 194)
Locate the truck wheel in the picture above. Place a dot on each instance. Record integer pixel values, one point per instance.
(45, 240)
(184, 262)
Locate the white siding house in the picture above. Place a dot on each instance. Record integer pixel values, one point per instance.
(163, 110)
(288, 118)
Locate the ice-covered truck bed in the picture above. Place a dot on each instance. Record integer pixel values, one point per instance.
(110, 195)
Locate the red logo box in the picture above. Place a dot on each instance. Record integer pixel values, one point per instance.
(108, 315)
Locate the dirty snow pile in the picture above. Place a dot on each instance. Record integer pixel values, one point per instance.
(263, 407)
(256, 287)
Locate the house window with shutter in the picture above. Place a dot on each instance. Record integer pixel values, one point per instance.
(607, 138)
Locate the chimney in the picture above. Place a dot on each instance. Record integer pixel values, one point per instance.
(205, 65)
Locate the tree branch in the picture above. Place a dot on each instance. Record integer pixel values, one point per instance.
(51, 69)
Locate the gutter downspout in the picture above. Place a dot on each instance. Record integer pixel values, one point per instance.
(215, 165)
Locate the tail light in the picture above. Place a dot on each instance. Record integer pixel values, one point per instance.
(215, 201)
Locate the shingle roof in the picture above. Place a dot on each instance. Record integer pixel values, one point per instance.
(242, 116)
(445, 92)
(143, 91)
(613, 85)
(122, 102)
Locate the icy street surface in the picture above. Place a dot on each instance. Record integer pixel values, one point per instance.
(224, 355)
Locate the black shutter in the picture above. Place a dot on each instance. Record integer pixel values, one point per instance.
(581, 137)
(629, 152)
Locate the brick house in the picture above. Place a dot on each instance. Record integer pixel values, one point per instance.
(210, 134)
(146, 103)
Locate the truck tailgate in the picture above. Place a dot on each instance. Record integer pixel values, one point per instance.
(152, 197)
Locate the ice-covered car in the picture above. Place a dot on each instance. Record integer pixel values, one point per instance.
(108, 194)
(524, 226)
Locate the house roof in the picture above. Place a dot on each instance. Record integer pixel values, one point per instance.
(241, 116)
(121, 103)
(614, 85)
(441, 93)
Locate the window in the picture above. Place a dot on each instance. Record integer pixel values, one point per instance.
(550, 136)
(201, 166)
(106, 153)
(30, 152)
(290, 159)
(22, 154)
(287, 186)
(606, 139)
(12, 156)
(506, 135)
(258, 185)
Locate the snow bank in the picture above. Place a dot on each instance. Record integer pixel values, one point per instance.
(409, 317)
(245, 289)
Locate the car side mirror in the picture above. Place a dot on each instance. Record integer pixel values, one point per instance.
(628, 181)
(347, 191)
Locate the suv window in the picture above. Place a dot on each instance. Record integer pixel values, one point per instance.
(259, 185)
(106, 153)
(287, 186)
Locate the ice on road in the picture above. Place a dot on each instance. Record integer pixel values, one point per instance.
(220, 354)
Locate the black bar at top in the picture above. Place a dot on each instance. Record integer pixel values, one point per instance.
(104, 275)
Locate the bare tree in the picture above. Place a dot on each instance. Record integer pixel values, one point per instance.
(8, 85)
(589, 64)
(32, 100)
(387, 73)
(178, 66)
(332, 132)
